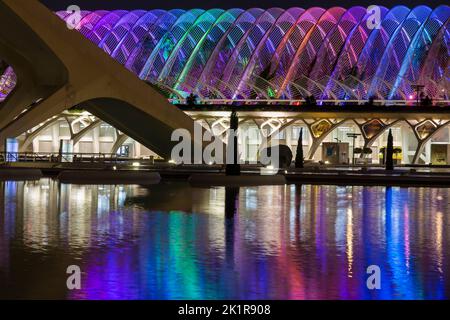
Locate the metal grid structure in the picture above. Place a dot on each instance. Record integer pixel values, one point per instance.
(275, 54)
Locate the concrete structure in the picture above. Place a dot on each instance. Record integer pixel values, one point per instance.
(415, 131)
(88, 134)
(422, 136)
(58, 68)
(212, 53)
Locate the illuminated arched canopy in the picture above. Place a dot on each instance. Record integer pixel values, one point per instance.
(275, 53)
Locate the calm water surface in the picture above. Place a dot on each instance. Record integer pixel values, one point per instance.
(172, 241)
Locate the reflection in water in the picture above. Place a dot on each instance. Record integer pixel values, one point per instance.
(172, 241)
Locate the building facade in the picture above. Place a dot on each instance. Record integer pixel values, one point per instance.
(415, 141)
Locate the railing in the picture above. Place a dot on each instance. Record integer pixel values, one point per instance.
(69, 157)
(302, 102)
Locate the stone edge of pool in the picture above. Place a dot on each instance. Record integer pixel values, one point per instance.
(197, 178)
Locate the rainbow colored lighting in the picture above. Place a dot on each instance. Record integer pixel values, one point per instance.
(288, 54)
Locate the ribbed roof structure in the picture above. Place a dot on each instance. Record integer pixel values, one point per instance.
(333, 53)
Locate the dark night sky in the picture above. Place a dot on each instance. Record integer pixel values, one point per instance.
(206, 4)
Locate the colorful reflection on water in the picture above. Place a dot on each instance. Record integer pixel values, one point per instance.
(172, 241)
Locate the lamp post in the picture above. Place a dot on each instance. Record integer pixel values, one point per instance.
(353, 136)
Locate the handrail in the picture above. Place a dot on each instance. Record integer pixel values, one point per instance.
(66, 157)
(302, 101)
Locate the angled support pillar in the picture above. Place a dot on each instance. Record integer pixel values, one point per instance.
(424, 131)
(79, 135)
(319, 131)
(82, 75)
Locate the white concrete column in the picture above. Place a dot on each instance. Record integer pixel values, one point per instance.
(405, 144)
(36, 144)
(287, 133)
(427, 150)
(137, 150)
(96, 140)
(55, 137)
(448, 153)
(242, 141)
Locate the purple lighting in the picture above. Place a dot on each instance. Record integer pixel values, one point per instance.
(286, 54)
(333, 54)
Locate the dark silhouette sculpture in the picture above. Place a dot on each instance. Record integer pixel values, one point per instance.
(234, 168)
(390, 152)
(299, 163)
(284, 154)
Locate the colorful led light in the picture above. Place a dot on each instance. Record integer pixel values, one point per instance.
(286, 54)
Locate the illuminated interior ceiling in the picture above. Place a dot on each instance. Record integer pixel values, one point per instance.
(7, 81)
(333, 54)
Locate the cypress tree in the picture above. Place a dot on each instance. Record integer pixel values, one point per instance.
(390, 152)
(299, 154)
(233, 169)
